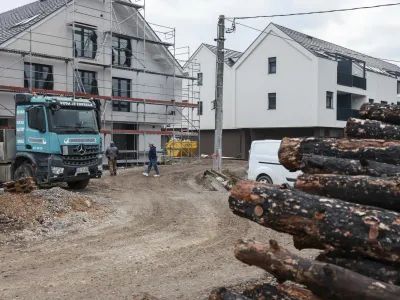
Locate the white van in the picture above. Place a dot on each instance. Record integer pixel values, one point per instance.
(264, 164)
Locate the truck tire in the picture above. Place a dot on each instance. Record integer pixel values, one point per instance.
(265, 179)
(23, 171)
(78, 185)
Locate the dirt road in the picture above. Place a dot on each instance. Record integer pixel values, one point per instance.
(168, 236)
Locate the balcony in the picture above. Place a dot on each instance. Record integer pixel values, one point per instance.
(351, 81)
(343, 114)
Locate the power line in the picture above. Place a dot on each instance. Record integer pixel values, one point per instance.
(292, 40)
(320, 12)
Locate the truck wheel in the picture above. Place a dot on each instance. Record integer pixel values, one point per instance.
(23, 171)
(265, 179)
(78, 185)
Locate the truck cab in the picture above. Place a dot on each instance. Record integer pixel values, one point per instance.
(57, 140)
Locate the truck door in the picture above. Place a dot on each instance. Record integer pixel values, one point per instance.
(36, 137)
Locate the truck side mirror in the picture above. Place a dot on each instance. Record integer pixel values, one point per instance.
(37, 119)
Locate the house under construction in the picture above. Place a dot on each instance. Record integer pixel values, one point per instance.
(105, 50)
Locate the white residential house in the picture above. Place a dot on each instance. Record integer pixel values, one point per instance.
(142, 65)
(290, 84)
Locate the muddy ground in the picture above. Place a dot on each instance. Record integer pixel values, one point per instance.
(170, 236)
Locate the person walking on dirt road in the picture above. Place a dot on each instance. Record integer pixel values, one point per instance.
(152, 160)
(112, 155)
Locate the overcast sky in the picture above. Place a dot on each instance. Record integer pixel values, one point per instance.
(373, 31)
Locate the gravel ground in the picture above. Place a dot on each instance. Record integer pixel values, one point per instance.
(172, 237)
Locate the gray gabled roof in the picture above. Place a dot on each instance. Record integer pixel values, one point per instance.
(231, 56)
(328, 50)
(10, 18)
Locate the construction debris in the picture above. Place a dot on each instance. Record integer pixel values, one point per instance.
(354, 219)
(23, 185)
(227, 181)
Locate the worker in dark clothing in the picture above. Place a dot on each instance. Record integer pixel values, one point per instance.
(152, 160)
(112, 155)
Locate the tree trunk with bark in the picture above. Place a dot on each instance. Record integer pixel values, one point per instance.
(367, 267)
(295, 292)
(374, 191)
(292, 150)
(224, 294)
(371, 129)
(285, 291)
(318, 222)
(316, 164)
(324, 280)
(381, 112)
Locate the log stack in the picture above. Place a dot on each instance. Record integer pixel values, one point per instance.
(346, 203)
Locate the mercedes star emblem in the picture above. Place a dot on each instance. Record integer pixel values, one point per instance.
(81, 149)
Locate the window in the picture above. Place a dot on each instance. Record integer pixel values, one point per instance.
(199, 79)
(329, 100)
(398, 102)
(64, 119)
(121, 88)
(42, 76)
(371, 101)
(85, 82)
(384, 102)
(272, 101)
(200, 108)
(272, 65)
(121, 52)
(398, 87)
(37, 118)
(85, 43)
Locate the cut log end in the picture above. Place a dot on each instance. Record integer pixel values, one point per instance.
(324, 280)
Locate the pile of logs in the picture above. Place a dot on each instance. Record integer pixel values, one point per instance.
(23, 185)
(347, 204)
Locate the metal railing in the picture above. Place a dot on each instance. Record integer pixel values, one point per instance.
(343, 114)
(351, 80)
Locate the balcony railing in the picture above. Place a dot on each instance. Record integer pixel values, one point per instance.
(343, 114)
(351, 80)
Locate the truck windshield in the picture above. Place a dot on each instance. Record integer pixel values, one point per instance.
(73, 120)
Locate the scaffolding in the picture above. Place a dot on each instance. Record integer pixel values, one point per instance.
(100, 48)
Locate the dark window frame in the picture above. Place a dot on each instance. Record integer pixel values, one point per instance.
(87, 86)
(370, 100)
(272, 65)
(122, 106)
(119, 59)
(272, 97)
(329, 96)
(37, 112)
(200, 108)
(38, 82)
(81, 36)
(200, 79)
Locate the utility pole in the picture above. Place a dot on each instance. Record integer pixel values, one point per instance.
(219, 87)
